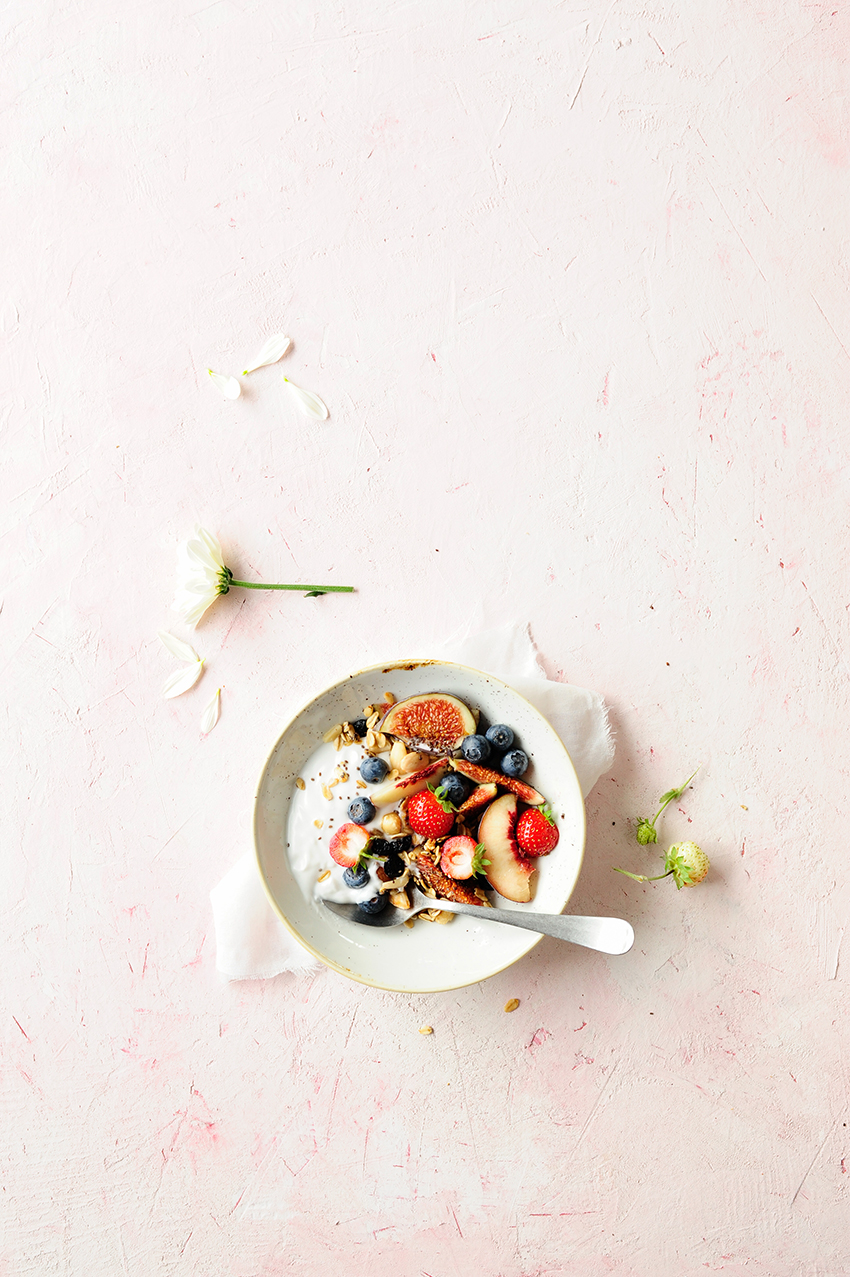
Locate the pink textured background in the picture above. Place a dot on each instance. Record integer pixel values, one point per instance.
(573, 282)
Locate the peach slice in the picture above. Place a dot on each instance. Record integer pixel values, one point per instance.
(508, 873)
(392, 791)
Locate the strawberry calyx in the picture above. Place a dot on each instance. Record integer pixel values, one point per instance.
(479, 858)
(462, 858)
(435, 788)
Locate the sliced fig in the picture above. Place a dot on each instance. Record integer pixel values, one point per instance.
(392, 791)
(445, 887)
(434, 721)
(485, 776)
(508, 872)
(480, 795)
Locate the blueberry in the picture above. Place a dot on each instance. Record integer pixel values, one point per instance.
(400, 844)
(376, 905)
(373, 770)
(500, 736)
(394, 867)
(453, 788)
(379, 847)
(361, 811)
(475, 749)
(359, 728)
(515, 763)
(356, 877)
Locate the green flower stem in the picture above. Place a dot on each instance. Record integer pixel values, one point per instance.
(320, 589)
(643, 877)
(674, 794)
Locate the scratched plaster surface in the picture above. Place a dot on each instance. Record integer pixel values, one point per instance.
(573, 282)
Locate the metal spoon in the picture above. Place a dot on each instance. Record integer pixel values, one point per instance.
(607, 935)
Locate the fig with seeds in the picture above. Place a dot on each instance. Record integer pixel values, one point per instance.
(434, 721)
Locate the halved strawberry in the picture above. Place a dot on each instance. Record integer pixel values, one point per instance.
(462, 857)
(428, 815)
(536, 831)
(348, 845)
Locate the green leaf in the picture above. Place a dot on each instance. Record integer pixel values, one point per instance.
(673, 794)
(315, 594)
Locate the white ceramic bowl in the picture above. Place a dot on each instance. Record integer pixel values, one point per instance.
(427, 957)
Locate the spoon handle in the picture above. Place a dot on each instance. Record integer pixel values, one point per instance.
(607, 935)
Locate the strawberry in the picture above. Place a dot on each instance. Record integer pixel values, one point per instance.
(687, 862)
(536, 832)
(462, 857)
(429, 815)
(348, 845)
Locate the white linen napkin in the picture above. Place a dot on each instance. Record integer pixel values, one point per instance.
(251, 941)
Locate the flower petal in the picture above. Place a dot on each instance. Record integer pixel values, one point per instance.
(228, 386)
(183, 651)
(201, 558)
(211, 542)
(200, 574)
(181, 680)
(192, 610)
(310, 404)
(274, 349)
(212, 713)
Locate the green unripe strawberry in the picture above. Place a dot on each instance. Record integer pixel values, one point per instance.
(687, 862)
(645, 832)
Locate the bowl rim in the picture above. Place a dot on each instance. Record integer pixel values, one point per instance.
(386, 667)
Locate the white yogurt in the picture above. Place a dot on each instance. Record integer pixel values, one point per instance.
(307, 844)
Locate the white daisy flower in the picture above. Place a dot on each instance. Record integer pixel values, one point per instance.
(202, 576)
